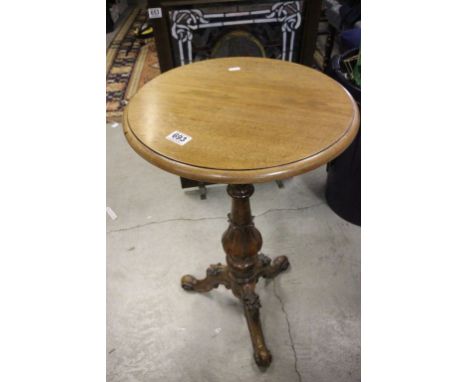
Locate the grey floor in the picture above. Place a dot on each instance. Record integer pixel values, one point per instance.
(158, 332)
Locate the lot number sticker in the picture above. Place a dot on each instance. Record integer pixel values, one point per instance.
(179, 138)
(154, 13)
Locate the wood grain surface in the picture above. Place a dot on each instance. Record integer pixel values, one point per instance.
(250, 120)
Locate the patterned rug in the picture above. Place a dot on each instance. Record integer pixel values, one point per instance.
(130, 63)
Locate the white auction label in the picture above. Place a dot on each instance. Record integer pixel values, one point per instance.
(111, 213)
(179, 138)
(154, 13)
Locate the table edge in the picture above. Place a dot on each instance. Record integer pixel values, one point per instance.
(262, 175)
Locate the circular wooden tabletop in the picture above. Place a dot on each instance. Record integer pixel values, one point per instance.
(245, 120)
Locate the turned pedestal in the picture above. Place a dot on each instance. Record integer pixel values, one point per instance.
(244, 266)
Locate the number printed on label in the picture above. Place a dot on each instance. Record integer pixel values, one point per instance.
(154, 13)
(179, 138)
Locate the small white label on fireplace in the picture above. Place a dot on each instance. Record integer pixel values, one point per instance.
(154, 13)
(234, 69)
(179, 138)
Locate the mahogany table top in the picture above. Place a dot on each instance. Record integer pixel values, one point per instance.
(241, 120)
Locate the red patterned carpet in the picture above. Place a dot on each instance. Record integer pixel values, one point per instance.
(130, 63)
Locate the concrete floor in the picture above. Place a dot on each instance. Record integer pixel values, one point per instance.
(158, 332)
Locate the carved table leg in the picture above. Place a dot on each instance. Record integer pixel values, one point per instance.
(280, 264)
(242, 243)
(216, 274)
(252, 307)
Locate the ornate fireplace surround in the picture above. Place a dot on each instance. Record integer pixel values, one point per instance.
(184, 21)
(180, 24)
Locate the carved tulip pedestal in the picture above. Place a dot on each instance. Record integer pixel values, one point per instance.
(245, 265)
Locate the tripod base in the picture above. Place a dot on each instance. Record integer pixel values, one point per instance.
(218, 274)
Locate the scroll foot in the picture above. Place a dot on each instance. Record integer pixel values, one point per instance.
(279, 264)
(216, 274)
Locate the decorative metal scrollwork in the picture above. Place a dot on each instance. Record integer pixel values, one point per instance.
(185, 21)
(289, 14)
